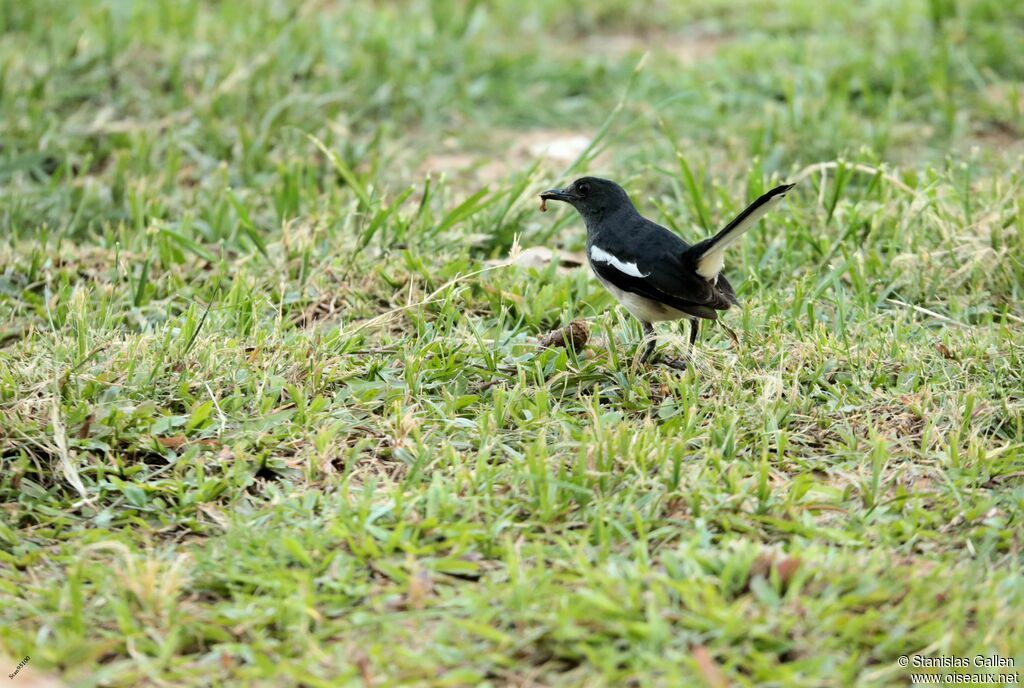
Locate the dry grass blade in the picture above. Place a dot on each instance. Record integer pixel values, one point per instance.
(67, 464)
(708, 669)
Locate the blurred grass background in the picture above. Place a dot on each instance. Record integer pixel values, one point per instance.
(227, 457)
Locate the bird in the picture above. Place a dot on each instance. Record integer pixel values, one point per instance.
(649, 269)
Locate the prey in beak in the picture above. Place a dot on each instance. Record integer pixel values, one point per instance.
(564, 195)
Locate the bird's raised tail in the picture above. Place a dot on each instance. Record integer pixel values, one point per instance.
(708, 256)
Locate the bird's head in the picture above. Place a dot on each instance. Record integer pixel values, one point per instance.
(592, 196)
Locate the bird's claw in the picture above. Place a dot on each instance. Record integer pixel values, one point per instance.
(677, 363)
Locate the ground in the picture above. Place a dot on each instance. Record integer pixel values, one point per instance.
(273, 286)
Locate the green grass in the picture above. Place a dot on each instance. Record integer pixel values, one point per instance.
(272, 409)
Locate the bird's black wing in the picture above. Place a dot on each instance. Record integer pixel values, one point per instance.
(666, 282)
(644, 287)
(727, 290)
(652, 265)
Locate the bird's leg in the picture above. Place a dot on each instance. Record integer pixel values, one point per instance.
(650, 338)
(680, 363)
(677, 363)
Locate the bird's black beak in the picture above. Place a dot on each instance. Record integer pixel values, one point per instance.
(557, 195)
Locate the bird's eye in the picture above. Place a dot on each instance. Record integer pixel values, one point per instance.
(583, 188)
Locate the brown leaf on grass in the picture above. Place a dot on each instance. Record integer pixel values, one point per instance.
(362, 663)
(178, 441)
(575, 334)
(708, 669)
(767, 562)
(945, 352)
(539, 257)
(83, 431)
(762, 565)
(175, 442)
(787, 568)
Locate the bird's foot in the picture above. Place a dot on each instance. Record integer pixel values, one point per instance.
(677, 363)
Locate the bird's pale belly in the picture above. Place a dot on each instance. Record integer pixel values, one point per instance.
(642, 308)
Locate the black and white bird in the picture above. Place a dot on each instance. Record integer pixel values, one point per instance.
(651, 271)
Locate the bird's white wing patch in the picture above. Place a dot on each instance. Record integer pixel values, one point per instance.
(599, 255)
